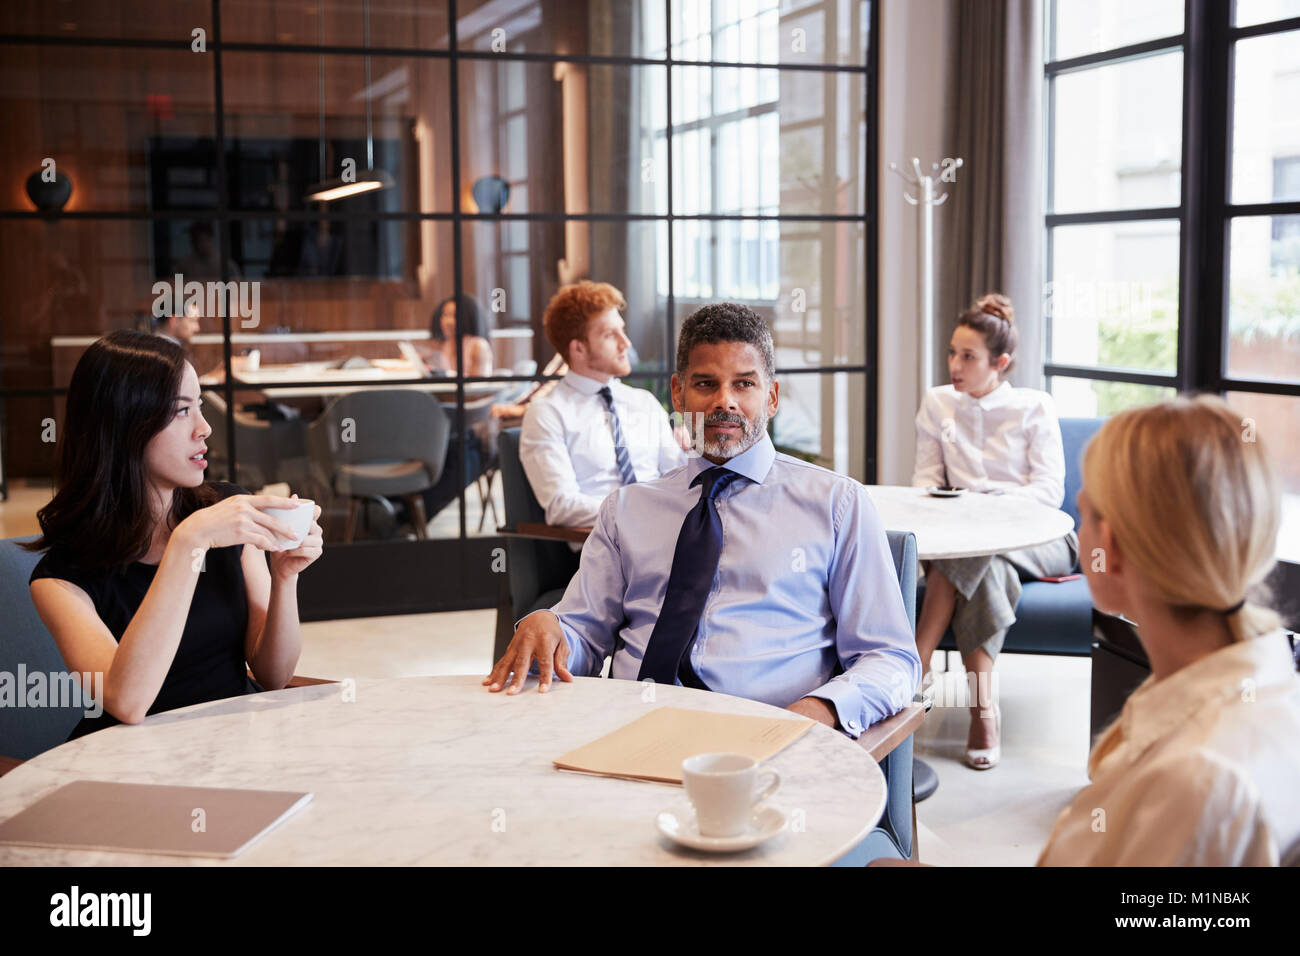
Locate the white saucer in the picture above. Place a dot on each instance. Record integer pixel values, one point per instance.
(678, 823)
(938, 492)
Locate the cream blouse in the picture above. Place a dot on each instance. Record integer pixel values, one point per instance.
(1007, 441)
(1201, 769)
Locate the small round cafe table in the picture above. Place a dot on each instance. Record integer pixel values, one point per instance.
(964, 526)
(436, 770)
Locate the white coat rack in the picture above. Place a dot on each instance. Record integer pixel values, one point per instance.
(924, 185)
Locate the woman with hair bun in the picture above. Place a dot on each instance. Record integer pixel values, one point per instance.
(1180, 515)
(982, 434)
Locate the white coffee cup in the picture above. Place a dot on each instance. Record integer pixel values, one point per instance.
(299, 518)
(724, 788)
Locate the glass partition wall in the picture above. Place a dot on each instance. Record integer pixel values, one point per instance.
(337, 197)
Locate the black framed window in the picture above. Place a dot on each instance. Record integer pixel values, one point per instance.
(684, 150)
(1173, 209)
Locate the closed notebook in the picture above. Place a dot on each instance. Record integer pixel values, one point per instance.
(149, 818)
(653, 747)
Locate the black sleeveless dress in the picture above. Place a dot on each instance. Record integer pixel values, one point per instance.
(209, 662)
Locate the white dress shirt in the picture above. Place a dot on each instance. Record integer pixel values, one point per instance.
(1201, 769)
(566, 446)
(1009, 440)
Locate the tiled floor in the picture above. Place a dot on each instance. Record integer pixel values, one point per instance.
(997, 817)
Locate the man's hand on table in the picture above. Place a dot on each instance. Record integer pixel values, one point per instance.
(540, 638)
(816, 708)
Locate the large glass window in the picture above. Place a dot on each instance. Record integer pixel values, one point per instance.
(345, 169)
(1166, 274)
(1114, 227)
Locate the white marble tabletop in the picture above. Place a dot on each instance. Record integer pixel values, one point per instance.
(436, 770)
(970, 524)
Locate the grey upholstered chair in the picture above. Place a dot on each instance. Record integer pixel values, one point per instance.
(25, 644)
(380, 443)
(261, 448)
(894, 836)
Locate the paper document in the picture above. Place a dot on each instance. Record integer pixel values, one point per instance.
(654, 746)
(146, 818)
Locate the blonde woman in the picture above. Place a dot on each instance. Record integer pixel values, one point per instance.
(1180, 508)
(982, 434)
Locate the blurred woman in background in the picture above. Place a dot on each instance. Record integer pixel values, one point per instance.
(476, 359)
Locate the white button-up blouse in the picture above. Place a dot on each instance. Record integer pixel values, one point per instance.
(1009, 440)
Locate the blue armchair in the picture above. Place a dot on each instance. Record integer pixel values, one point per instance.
(895, 835)
(28, 731)
(1053, 618)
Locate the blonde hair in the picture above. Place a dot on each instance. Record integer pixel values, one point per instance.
(1195, 502)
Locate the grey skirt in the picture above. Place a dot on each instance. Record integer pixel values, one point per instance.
(988, 589)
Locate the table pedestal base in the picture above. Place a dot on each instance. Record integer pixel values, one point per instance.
(924, 781)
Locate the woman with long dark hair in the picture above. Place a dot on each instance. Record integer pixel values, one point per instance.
(476, 351)
(152, 577)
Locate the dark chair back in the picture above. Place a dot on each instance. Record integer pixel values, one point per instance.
(24, 642)
(896, 822)
(1075, 434)
(534, 567)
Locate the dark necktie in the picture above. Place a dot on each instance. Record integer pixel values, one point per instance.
(625, 472)
(695, 562)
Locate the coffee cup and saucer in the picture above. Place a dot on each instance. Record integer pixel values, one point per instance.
(724, 809)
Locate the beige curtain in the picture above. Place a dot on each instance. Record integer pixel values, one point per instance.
(992, 225)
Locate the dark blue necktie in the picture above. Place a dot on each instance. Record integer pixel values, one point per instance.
(695, 562)
(625, 472)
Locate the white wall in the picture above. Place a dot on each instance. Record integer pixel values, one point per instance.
(915, 68)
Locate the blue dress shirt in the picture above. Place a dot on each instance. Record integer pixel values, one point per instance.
(805, 602)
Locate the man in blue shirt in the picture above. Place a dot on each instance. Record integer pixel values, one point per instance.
(743, 571)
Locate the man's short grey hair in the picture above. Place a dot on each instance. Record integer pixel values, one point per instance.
(726, 322)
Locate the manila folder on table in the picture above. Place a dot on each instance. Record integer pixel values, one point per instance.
(653, 747)
(146, 818)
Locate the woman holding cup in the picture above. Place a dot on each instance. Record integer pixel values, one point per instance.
(154, 580)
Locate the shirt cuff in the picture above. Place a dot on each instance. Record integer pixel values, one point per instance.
(847, 702)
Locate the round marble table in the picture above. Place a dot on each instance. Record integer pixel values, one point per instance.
(436, 770)
(964, 526)
(970, 524)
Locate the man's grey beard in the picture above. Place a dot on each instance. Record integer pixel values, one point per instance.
(730, 448)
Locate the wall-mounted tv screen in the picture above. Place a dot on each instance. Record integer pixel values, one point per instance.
(266, 177)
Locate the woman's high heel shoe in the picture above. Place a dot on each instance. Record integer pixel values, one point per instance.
(987, 758)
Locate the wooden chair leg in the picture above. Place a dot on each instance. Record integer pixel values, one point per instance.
(351, 529)
(416, 504)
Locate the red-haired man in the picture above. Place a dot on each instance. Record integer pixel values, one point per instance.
(592, 434)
